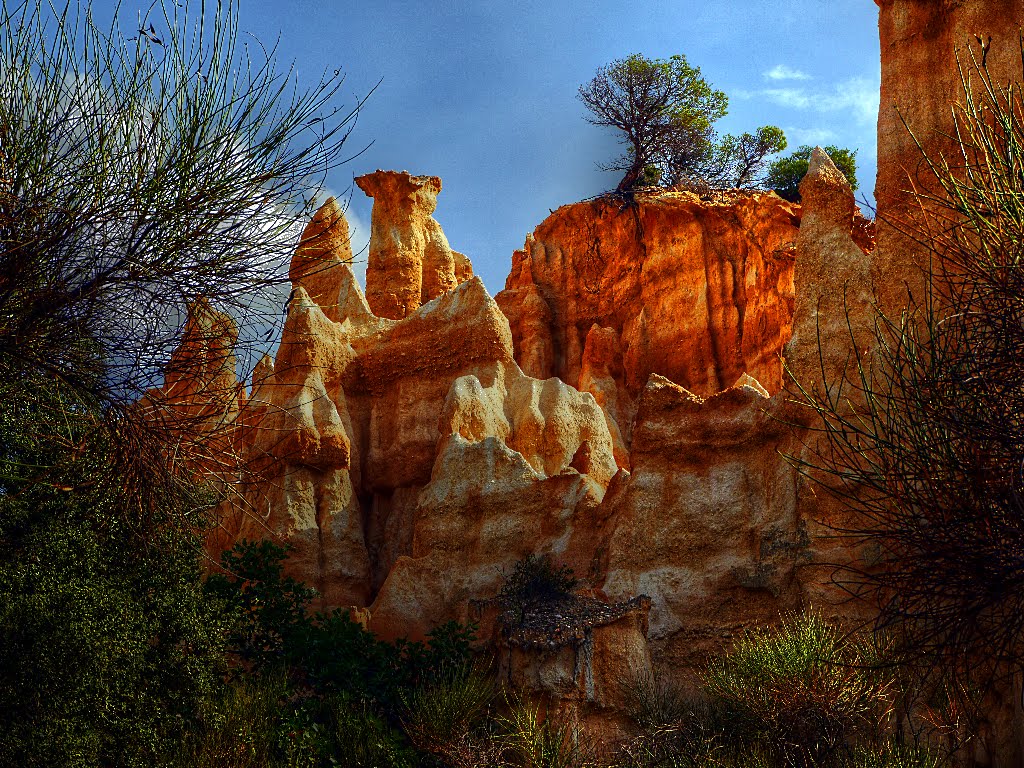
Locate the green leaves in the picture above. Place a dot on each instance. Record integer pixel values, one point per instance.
(785, 174)
(666, 112)
(108, 645)
(655, 103)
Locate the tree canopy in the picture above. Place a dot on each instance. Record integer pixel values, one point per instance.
(665, 111)
(785, 174)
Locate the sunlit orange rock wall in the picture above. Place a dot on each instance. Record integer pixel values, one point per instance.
(700, 292)
(920, 43)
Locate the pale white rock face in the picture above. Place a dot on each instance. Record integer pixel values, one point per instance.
(484, 509)
(695, 521)
(545, 421)
(839, 271)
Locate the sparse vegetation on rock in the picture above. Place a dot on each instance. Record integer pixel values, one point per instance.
(665, 111)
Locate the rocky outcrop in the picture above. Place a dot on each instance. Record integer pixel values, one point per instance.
(620, 406)
(921, 41)
(408, 462)
(707, 522)
(834, 268)
(606, 293)
(197, 407)
(580, 656)
(410, 260)
(323, 248)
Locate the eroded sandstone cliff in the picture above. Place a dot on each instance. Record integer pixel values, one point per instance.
(620, 405)
(410, 461)
(606, 292)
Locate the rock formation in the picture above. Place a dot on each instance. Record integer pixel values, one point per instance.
(410, 461)
(604, 294)
(620, 406)
(323, 248)
(410, 260)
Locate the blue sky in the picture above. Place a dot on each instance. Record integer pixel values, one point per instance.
(483, 94)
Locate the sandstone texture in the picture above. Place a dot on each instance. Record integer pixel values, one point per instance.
(606, 293)
(323, 248)
(410, 260)
(921, 41)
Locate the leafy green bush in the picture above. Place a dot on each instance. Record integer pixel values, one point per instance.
(108, 645)
(271, 607)
(328, 652)
(802, 689)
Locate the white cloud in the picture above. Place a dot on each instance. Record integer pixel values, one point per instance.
(857, 96)
(782, 72)
(810, 136)
(788, 97)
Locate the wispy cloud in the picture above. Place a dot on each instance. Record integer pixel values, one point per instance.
(811, 136)
(857, 96)
(782, 72)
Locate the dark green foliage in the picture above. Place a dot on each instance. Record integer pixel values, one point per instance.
(343, 691)
(327, 652)
(108, 645)
(534, 580)
(272, 607)
(785, 174)
(259, 721)
(665, 111)
(240, 727)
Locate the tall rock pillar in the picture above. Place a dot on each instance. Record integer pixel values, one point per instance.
(920, 42)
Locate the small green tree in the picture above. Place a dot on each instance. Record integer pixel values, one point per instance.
(665, 111)
(784, 175)
(654, 103)
(743, 158)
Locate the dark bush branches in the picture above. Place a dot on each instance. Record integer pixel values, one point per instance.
(924, 443)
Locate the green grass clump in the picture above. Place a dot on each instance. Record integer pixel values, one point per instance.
(803, 689)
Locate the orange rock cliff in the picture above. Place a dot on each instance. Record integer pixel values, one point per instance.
(620, 405)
